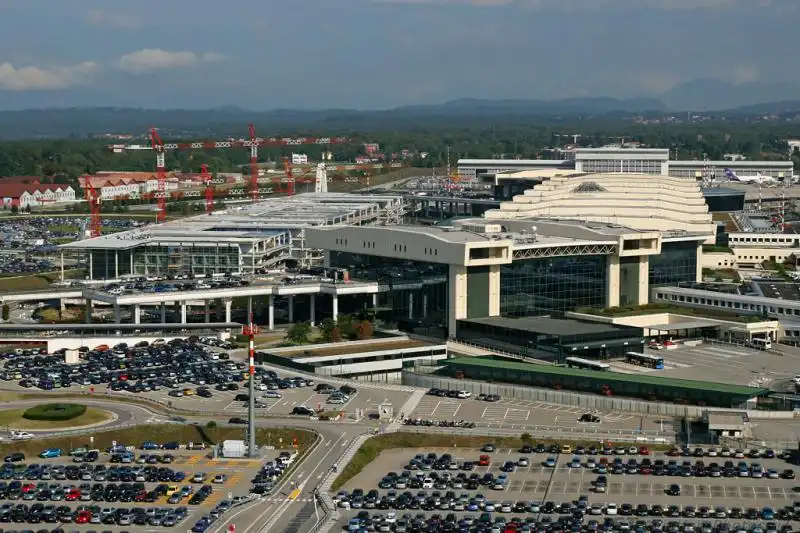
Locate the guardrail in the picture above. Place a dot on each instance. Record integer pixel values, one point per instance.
(565, 433)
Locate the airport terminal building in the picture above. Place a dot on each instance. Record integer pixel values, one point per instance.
(576, 240)
(654, 161)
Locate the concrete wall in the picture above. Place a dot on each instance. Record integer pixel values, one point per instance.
(72, 343)
(718, 260)
(751, 255)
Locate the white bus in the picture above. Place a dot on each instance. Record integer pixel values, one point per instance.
(761, 344)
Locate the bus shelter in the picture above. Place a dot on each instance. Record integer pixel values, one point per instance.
(688, 329)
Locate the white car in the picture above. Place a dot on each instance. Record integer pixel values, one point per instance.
(462, 394)
(390, 518)
(261, 387)
(272, 394)
(21, 435)
(427, 483)
(611, 509)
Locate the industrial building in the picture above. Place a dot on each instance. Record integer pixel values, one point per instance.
(578, 240)
(654, 161)
(244, 240)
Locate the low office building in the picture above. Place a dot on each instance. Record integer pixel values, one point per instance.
(526, 260)
(370, 360)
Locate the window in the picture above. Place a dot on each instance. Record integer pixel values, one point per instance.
(677, 263)
(558, 284)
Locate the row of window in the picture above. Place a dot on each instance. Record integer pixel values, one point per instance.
(729, 304)
(784, 239)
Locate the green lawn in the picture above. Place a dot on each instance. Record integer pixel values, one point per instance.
(13, 418)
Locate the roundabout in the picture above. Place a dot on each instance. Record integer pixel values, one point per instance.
(55, 417)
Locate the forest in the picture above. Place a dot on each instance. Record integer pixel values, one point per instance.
(67, 158)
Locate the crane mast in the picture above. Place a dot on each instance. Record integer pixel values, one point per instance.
(209, 189)
(254, 141)
(158, 147)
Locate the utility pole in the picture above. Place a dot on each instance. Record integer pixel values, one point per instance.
(251, 330)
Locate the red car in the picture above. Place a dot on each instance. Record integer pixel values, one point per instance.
(72, 495)
(644, 450)
(27, 487)
(83, 517)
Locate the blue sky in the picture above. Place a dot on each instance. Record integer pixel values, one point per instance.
(371, 54)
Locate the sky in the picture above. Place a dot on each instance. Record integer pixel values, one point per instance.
(374, 54)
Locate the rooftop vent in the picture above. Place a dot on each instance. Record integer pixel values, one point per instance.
(587, 187)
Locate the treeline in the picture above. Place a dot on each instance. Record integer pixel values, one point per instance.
(69, 158)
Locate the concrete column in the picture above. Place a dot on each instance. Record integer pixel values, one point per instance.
(117, 314)
(163, 313)
(699, 275)
(91, 266)
(457, 297)
(62, 267)
(644, 280)
(271, 312)
(88, 311)
(228, 308)
(137, 314)
(375, 300)
(612, 281)
(335, 307)
(291, 309)
(116, 265)
(183, 313)
(131, 257)
(326, 259)
(494, 290)
(410, 305)
(312, 306)
(206, 312)
(424, 305)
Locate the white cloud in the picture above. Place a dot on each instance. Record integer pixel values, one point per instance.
(113, 20)
(151, 60)
(33, 78)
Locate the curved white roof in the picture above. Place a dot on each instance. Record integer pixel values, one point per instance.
(642, 202)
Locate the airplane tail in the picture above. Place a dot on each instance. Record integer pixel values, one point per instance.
(730, 175)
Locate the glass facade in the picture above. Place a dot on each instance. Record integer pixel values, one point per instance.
(165, 260)
(413, 294)
(552, 285)
(638, 166)
(677, 263)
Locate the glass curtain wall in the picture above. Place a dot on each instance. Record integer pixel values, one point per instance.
(552, 285)
(414, 294)
(677, 263)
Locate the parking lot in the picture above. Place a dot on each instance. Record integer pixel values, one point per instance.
(174, 489)
(522, 484)
(516, 413)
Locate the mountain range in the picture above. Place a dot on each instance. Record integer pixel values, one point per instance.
(58, 116)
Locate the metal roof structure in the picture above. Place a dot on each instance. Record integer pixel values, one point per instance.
(249, 222)
(551, 326)
(610, 377)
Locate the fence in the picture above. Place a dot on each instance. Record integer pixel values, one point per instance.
(574, 399)
(565, 433)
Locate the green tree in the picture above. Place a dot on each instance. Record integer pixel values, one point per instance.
(347, 327)
(299, 332)
(326, 329)
(6, 311)
(14, 210)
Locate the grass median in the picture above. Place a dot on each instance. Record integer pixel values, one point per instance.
(373, 447)
(161, 433)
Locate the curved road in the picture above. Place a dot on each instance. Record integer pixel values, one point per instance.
(126, 415)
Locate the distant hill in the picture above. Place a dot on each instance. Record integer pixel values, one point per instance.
(714, 95)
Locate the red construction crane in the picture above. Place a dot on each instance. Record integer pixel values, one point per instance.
(93, 199)
(253, 162)
(158, 147)
(209, 188)
(287, 166)
(252, 143)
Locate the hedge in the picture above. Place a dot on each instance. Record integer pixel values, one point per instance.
(54, 412)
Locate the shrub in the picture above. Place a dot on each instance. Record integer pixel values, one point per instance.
(54, 412)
